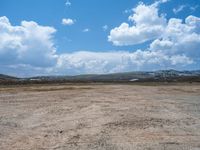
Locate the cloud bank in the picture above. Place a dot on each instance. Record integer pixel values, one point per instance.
(110, 62)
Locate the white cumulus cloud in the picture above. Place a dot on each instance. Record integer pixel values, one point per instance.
(29, 43)
(147, 25)
(67, 21)
(180, 37)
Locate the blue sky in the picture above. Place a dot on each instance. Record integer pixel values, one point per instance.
(77, 37)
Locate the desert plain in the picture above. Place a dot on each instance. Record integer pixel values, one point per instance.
(100, 117)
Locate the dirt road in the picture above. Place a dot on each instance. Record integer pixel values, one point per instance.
(100, 117)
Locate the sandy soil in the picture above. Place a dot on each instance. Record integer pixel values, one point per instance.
(100, 117)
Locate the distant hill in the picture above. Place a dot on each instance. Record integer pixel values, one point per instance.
(6, 77)
(139, 76)
(161, 75)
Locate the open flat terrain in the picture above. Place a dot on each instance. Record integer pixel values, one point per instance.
(100, 117)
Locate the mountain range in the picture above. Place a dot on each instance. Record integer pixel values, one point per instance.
(139, 76)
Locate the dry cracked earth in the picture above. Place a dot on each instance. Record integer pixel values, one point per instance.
(100, 117)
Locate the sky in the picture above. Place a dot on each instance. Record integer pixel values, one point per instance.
(70, 37)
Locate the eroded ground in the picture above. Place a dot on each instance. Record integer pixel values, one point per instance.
(102, 117)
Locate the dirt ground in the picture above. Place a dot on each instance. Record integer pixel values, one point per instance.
(100, 117)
